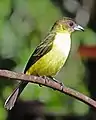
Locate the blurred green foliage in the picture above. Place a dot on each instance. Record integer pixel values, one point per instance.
(19, 35)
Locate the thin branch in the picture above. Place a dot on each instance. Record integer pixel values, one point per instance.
(49, 83)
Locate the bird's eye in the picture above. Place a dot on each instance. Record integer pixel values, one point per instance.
(71, 24)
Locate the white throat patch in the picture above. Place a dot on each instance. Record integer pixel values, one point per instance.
(63, 42)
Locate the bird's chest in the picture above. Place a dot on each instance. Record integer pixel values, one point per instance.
(55, 59)
(62, 44)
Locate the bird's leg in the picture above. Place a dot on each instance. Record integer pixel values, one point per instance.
(61, 84)
(44, 77)
(52, 78)
(39, 84)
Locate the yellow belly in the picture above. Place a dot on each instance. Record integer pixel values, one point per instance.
(53, 61)
(49, 64)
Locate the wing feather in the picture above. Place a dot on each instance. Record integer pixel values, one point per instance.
(42, 49)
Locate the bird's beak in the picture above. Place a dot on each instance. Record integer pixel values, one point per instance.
(78, 27)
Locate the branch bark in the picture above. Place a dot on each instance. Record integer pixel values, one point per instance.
(48, 83)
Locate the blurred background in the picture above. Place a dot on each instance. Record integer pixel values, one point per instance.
(23, 25)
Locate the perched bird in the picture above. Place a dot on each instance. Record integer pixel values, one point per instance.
(49, 56)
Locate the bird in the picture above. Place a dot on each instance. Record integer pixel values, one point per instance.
(49, 56)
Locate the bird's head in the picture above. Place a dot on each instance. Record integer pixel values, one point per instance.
(66, 25)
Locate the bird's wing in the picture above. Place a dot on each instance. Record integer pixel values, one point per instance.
(43, 48)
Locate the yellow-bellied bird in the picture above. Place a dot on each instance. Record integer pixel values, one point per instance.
(49, 56)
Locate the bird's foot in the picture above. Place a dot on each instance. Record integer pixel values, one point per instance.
(40, 84)
(44, 77)
(61, 84)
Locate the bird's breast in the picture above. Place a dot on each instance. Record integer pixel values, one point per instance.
(62, 42)
(53, 61)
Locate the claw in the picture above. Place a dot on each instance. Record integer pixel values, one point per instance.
(44, 77)
(61, 84)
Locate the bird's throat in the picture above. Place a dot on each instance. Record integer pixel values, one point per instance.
(63, 43)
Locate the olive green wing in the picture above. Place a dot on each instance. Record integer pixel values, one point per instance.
(42, 49)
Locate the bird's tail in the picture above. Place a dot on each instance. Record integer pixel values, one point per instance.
(9, 103)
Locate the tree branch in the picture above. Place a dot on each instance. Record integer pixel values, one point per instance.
(49, 83)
